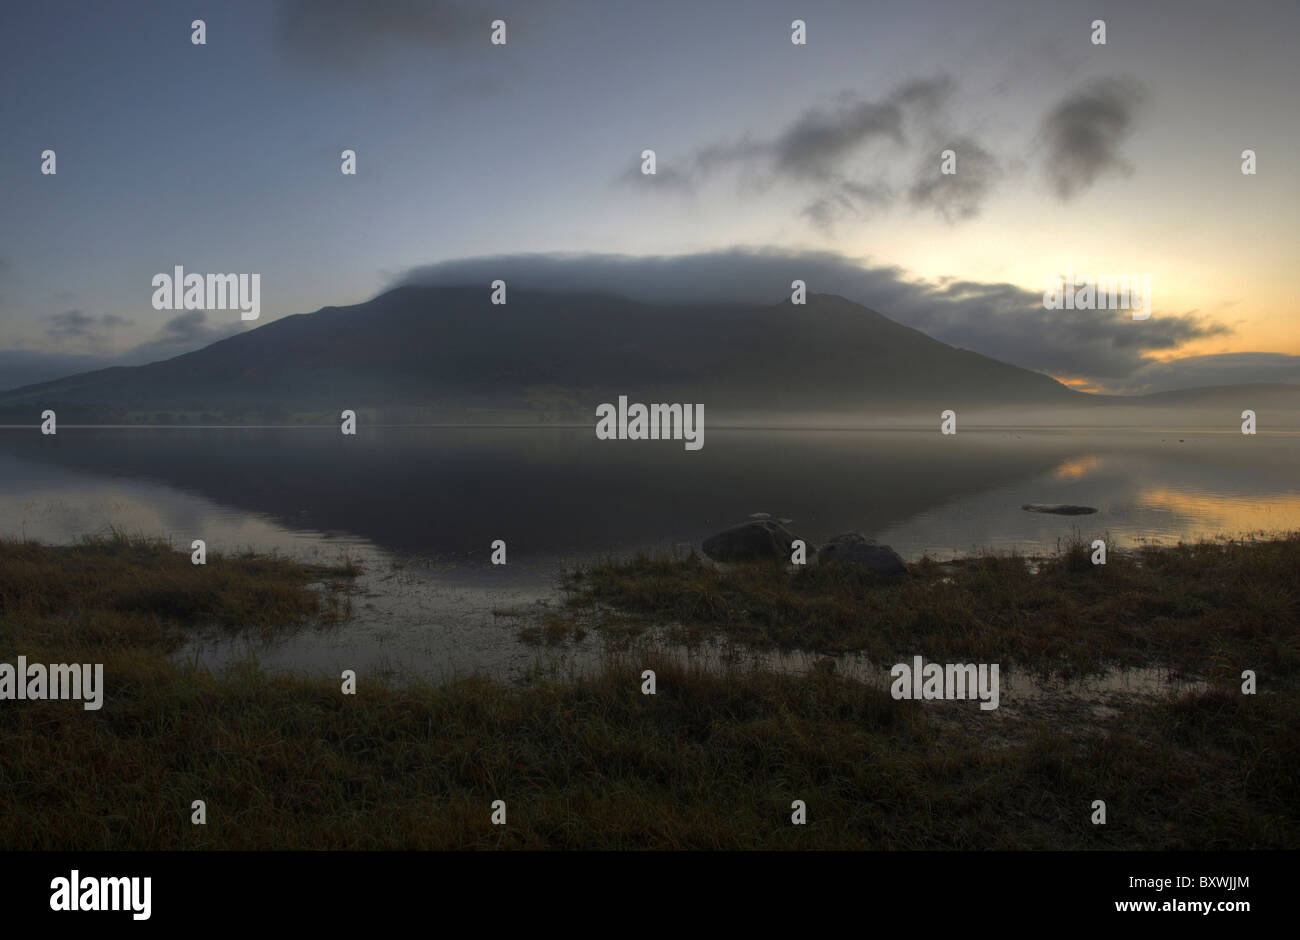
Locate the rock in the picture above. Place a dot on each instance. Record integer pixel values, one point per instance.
(1060, 509)
(751, 541)
(854, 549)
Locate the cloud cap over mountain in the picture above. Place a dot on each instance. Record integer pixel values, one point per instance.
(1003, 321)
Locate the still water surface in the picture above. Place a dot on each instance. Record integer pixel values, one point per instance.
(420, 507)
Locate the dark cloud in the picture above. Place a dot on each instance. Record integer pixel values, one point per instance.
(349, 33)
(927, 95)
(1004, 321)
(181, 334)
(190, 329)
(848, 199)
(818, 143)
(1010, 323)
(821, 150)
(78, 326)
(70, 325)
(1084, 133)
(956, 196)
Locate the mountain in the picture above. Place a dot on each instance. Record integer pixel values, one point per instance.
(450, 348)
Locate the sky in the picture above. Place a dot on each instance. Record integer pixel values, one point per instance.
(774, 161)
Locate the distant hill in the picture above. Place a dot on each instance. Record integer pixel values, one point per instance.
(1255, 396)
(450, 348)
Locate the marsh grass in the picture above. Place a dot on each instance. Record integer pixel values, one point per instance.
(713, 760)
(138, 591)
(1186, 607)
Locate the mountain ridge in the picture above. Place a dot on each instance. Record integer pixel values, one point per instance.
(450, 345)
(447, 352)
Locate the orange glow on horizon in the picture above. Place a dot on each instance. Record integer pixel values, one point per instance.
(1079, 385)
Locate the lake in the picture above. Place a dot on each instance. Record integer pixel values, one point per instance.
(420, 508)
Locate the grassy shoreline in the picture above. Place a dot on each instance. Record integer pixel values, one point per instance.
(1205, 608)
(713, 760)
